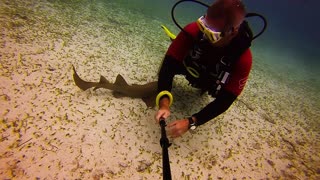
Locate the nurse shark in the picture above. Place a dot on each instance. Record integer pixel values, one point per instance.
(120, 88)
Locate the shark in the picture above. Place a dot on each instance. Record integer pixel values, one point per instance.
(120, 88)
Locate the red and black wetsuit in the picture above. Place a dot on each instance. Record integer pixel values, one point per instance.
(173, 64)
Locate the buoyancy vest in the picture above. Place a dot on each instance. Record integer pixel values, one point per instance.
(208, 67)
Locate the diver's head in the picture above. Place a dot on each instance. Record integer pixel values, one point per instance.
(222, 21)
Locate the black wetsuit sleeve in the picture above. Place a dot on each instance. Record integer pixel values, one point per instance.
(169, 68)
(221, 103)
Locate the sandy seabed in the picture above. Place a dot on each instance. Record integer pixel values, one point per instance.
(50, 129)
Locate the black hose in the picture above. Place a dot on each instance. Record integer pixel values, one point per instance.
(264, 21)
(172, 13)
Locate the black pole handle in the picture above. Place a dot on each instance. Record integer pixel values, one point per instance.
(164, 142)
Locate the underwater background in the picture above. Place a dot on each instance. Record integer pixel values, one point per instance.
(50, 129)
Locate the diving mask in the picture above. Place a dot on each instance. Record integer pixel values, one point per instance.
(213, 35)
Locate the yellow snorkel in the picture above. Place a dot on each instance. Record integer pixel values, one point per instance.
(170, 34)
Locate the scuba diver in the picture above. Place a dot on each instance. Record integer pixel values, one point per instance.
(214, 55)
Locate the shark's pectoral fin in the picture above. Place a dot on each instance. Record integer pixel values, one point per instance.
(150, 101)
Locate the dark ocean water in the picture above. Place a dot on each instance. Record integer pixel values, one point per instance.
(292, 33)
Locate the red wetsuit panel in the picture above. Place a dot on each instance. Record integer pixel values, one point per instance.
(240, 73)
(180, 47)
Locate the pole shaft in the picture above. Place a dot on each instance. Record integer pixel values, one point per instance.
(164, 142)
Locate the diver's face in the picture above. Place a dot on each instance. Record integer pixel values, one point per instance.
(227, 32)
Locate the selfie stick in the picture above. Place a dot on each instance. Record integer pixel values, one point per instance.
(164, 142)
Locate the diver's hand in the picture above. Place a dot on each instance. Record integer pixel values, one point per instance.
(164, 109)
(163, 112)
(178, 127)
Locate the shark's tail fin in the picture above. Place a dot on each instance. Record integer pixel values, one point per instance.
(79, 82)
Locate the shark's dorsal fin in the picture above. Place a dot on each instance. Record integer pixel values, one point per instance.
(103, 80)
(120, 81)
